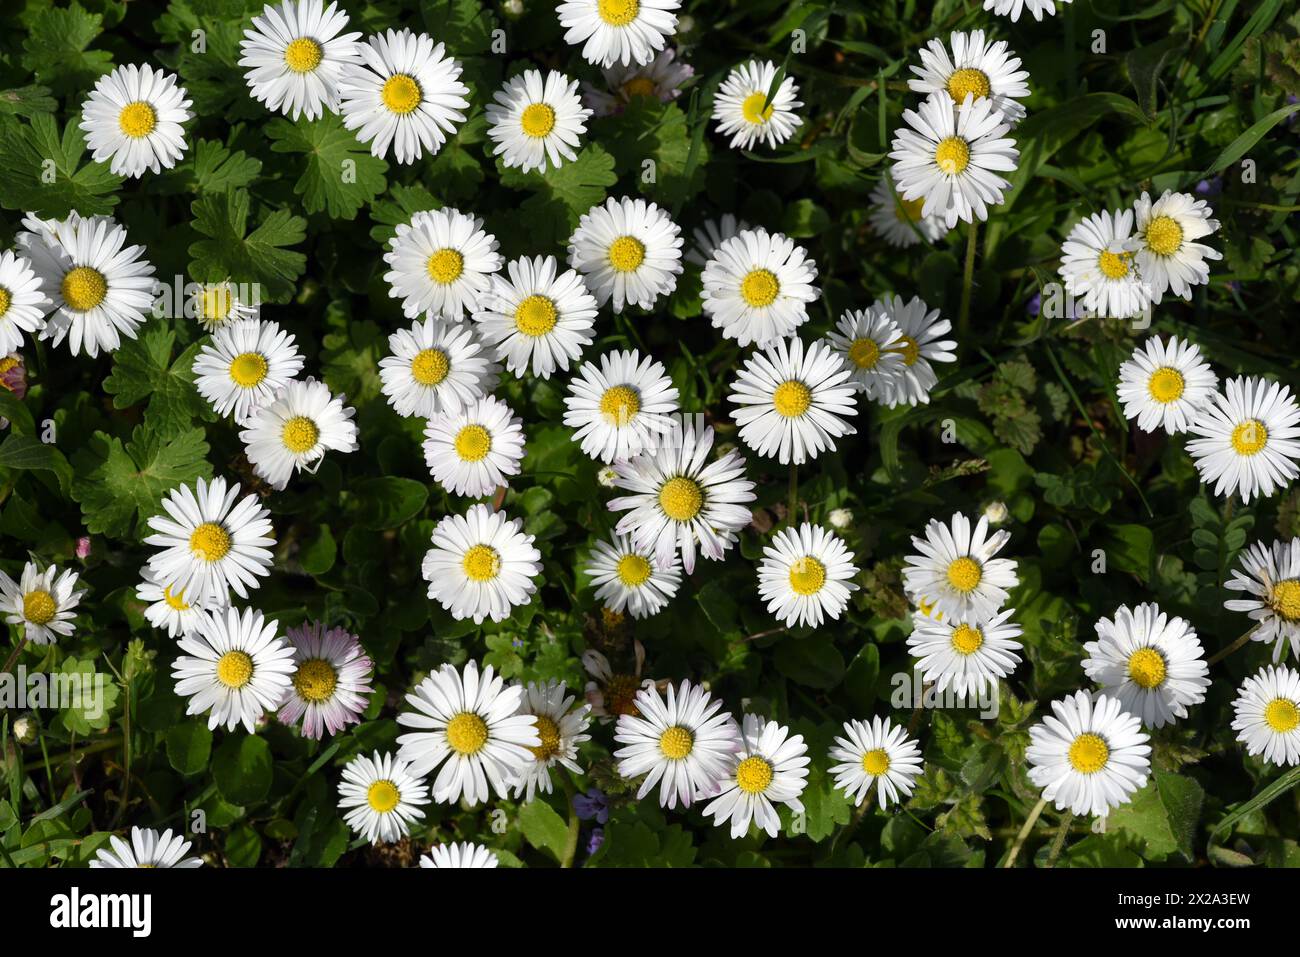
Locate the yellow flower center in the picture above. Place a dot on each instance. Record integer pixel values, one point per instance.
(248, 369)
(401, 94)
(875, 762)
(1113, 265)
(235, 669)
(1282, 715)
(175, 599)
(430, 366)
(969, 80)
(1146, 667)
(549, 732)
(210, 542)
(807, 575)
(473, 443)
(39, 607)
(1250, 437)
(633, 571)
(1166, 385)
(753, 775)
(759, 288)
(300, 434)
(910, 348)
(619, 404)
(1088, 753)
(952, 155)
(6, 298)
(639, 86)
(538, 120)
(618, 13)
(1164, 236)
(84, 288)
(215, 303)
(1285, 599)
(676, 742)
(467, 733)
(303, 55)
(315, 680)
(481, 563)
(864, 353)
(753, 110)
(383, 796)
(967, 640)
(535, 316)
(681, 498)
(964, 574)
(792, 398)
(445, 266)
(626, 253)
(137, 119)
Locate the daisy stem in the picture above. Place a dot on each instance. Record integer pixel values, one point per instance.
(1058, 842)
(9, 665)
(1239, 643)
(968, 278)
(1023, 835)
(794, 495)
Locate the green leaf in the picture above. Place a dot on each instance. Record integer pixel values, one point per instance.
(389, 501)
(544, 829)
(1247, 140)
(144, 368)
(650, 130)
(55, 48)
(318, 552)
(91, 696)
(26, 452)
(41, 171)
(560, 196)
(1260, 799)
(339, 175)
(1163, 815)
(230, 252)
(211, 167)
(403, 203)
(27, 101)
(814, 662)
(241, 769)
(189, 746)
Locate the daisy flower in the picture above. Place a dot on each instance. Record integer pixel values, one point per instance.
(441, 261)
(41, 602)
(879, 754)
(661, 79)
(921, 329)
(23, 303)
(475, 450)
(561, 728)
(1012, 8)
(627, 250)
(244, 366)
(757, 287)
(611, 693)
(968, 656)
(1165, 385)
(1097, 267)
(627, 578)
(537, 120)
(1090, 755)
(1267, 718)
(436, 367)
(805, 575)
(234, 669)
(1164, 244)
(770, 768)
(218, 304)
(1152, 663)
(618, 31)
(470, 724)
(1270, 577)
(293, 432)
(677, 501)
(957, 569)
(133, 120)
(404, 93)
(978, 67)
(167, 610)
(745, 112)
(685, 745)
(1248, 438)
(872, 347)
(147, 849)
(620, 407)
(481, 565)
(330, 686)
(464, 854)
(711, 234)
(293, 57)
(900, 221)
(538, 318)
(381, 797)
(951, 156)
(208, 545)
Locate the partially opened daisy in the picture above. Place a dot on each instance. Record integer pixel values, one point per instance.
(879, 755)
(757, 287)
(147, 849)
(968, 656)
(683, 744)
(41, 602)
(628, 251)
(233, 668)
(1267, 718)
(957, 568)
(246, 365)
(294, 54)
(23, 303)
(749, 111)
(436, 366)
(627, 578)
(474, 451)
(1098, 267)
(871, 346)
(1166, 385)
(469, 723)
(770, 768)
(978, 66)
(441, 261)
(1013, 8)
(1270, 577)
(621, 406)
(459, 854)
(922, 343)
(661, 79)
(806, 575)
(711, 234)
(561, 728)
(293, 432)
(1248, 438)
(132, 120)
(404, 94)
(536, 317)
(166, 609)
(618, 31)
(1153, 663)
(481, 565)
(900, 221)
(1165, 243)
(537, 121)
(330, 685)
(217, 304)
(210, 545)
(381, 797)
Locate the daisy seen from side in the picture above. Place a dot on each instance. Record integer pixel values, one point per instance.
(146, 849)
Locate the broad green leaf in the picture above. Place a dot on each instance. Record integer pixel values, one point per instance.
(189, 746)
(231, 252)
(559, 197)
(144, 368)
(241, 768)
(543, 828)
(41, 170)
(339, 175)
(55, 49)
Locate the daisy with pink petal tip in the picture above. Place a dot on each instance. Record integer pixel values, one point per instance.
(331, 685)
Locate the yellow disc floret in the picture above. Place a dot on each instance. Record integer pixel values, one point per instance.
(1088, 753)
(676, 742)
(83, 288)
(1146, 668)
(681, 498)
(210, 542)
(235, 669)
(467, 733)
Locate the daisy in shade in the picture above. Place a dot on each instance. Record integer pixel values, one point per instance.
(1270, 577)
(1166, 385)
(474, 451)
(957, 569)
(618, 31)
(244, 366)
(979, 67)
(42, 603)
(876, 754)
(382, 797)
(685, 744)
(1267, 718)
(749, 112)
(132, 119)
(23, 303)
(1097, 267)
(950, 156)
(538, 318)
(436, 366)
(233, 668)
(209, 545)
(1165, 243)
(463, 854)
(1012, 8)
(900, 221)
(147, 849)
(218, 304)
(561, 727)
(627, 250)
(611, 693)
(677, 501)
(167, 610)
(481, 565)
(403, 93)
(441, 263)
(806, 575)
(331, 684)
(293, 432)
(793, 403)
(628, 579)
(757, 287)
(293, 57)
(967, 656)
(921, 330)
(620, 406)
(661, 79)
(1247, 438)
(1152, 663)
(537, 120)
(770, 768)
(470, 724)
(711, 234)
(871, 346)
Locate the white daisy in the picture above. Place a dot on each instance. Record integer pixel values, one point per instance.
(1164, 244)
(770, 768)
(133, 120)
(561, 728)
(711, 234)
(757, 287)
(436, 367)
(1267, 718)
(978, 66)
(871, 346)
(661, 79)
(1012, 8)
(806, 574)
(167, 610)
(481, 565)
(441, 263)
(217, 304)
(148, 849)
(1097, 267)
(292, 432)
(1271, 579)
(627, 578)
(879, 754)
(900, 221)
(293, 57)
(382, 797)
(470, 725)
(463, 854)
(23, 302)
(621, 406)
(957, 569)
(475, 450)
(1248, 438)
(627, 250)
(749, 112)
(967, 656)
(921, 328)
(42, 603)
(244, 366)
(618, 31)
(538, 318)
(404, 93)
(330, 686)
(1165, 385)
(537, 120)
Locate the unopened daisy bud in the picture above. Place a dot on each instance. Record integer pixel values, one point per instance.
(83, 547)
(840, 518)
(996, 512)
(25, 730)
(513, 8)
(607, 477)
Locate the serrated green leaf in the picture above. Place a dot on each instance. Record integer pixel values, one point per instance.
(144, 368)
(41, 171)
(339, 175)
(230, 252)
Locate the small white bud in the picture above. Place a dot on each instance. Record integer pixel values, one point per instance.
(840, 518)
(996, 512)
(25, 730)
(513, 8)
(607, 477)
